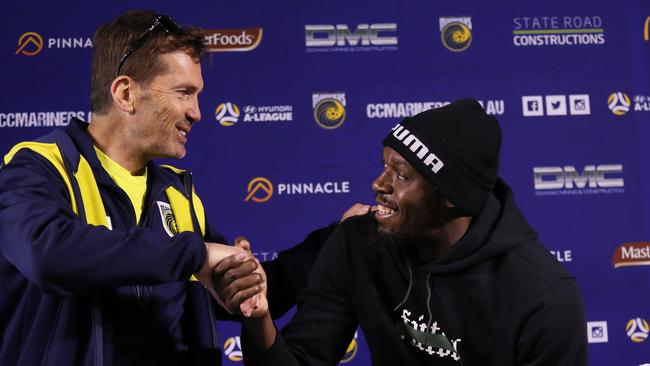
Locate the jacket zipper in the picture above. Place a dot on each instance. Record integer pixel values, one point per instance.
(187, 183)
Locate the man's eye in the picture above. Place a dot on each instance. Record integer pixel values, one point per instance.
(400, 175)
(183, 94)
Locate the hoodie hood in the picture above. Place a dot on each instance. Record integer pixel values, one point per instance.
(498, 227)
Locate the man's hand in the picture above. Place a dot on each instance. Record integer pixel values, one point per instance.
(215, 254)
(241, 284)
(358, 209)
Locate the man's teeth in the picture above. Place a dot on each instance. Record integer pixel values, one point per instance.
(385, 210)
(182, 133)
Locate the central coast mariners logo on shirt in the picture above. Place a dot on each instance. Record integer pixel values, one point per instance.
(167, 217)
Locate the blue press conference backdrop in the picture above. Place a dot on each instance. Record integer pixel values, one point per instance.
(299, 94)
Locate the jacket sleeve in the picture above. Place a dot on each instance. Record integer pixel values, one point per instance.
(324, 323)
(56, 250)
(555, 332)
(288, 273)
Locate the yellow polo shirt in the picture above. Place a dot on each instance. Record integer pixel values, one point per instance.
(135, 186)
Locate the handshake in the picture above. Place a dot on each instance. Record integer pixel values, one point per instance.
(235, 278)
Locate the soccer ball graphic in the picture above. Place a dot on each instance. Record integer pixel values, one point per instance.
(227, 114)
(637, 329)
(619, 103)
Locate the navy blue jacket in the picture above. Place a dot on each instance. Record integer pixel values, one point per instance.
(77, 294)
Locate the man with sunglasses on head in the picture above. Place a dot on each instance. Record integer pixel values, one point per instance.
(105, 257)
(446, 272)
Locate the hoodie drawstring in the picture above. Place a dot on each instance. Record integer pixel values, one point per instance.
(408, 290)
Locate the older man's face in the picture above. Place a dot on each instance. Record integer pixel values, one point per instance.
(408, 204)
(169, 106)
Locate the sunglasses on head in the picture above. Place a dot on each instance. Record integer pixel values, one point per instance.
(168, 24)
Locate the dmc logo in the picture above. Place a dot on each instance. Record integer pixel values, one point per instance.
(646, 30)
(456, 33)
(328, 35)
(619, 103)
(232, 349)
(632, 254)
(597, 332)
(637, 329)
(259, 190)
(31, 39)
(555, 177)
(227, 114)
(351, 351)
(233, 40)
(329, 109)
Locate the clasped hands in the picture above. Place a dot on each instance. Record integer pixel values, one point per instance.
(235, 278)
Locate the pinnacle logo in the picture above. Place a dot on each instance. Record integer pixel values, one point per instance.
(456, 33)
(30, 44)
(351, 351)
(259, 190)
(619, 103)
(227, 114)
(167, 217)
(232, 349)
(329, 109)
(632, 254)
(637, 329)
(233, 40)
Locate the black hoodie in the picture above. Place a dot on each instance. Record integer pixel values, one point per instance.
(497, 298)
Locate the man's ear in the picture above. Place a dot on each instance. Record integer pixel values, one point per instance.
(123, 92)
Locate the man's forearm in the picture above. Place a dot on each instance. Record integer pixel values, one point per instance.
(260, 332)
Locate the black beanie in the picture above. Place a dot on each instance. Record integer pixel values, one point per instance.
(455, 147)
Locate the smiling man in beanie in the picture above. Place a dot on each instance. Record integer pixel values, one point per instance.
(446, 272)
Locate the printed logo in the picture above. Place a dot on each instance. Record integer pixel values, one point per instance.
(329, 109)
(558, 31)
(646, 29)
(259, 190)
(40, 119)
(339, 37)
(632, 254)
(456, 33)
(426, 156)
(351, 351)
(597, 332)
(233, 40)
(394, 110)
(566, 180)
(227, 114)
(167, 217)
(637, 330)
(416, 323)
(619, 103)
(562, 255)
(30, 44)
(232, 349)
(532, 105)
(555, 105)
(579, 104)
